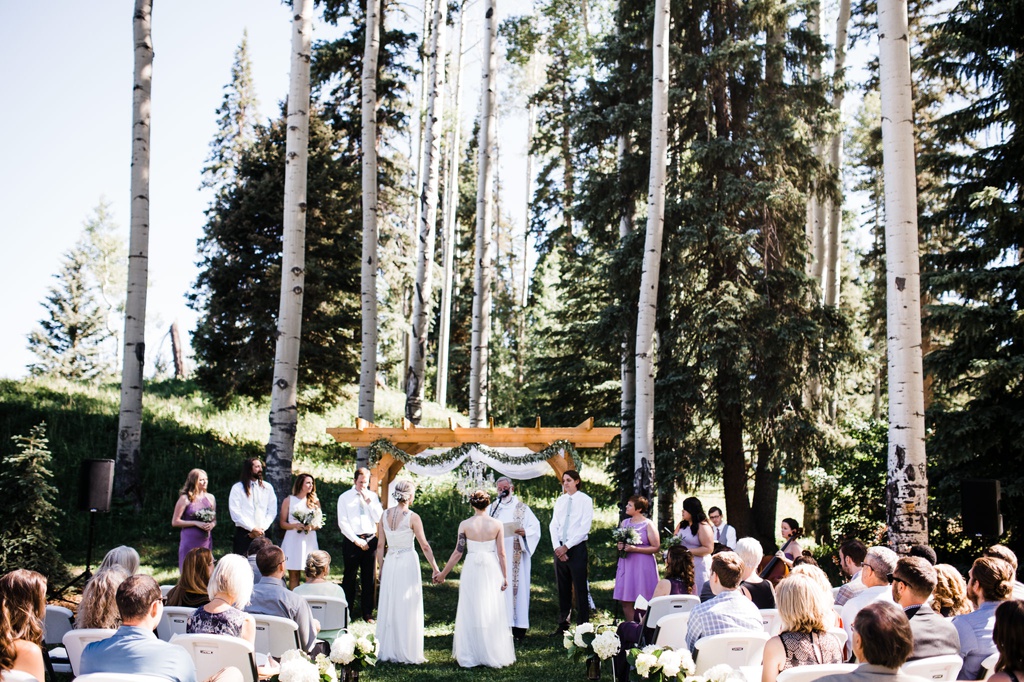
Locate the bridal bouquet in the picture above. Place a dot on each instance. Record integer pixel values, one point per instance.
(314, 518)
(661, 664)
(206, 515)
(585, 641)
(627, 535)
(669, 540)
(355, 653)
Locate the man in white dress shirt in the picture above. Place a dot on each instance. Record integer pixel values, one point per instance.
(724, 533)
(570, 528)
(252, 504)
(520, 545)
(359, 510)
(878, 565)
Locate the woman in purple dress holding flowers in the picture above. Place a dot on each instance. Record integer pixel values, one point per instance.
(638, 541)
(195, 514)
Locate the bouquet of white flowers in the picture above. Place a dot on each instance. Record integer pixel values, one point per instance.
(669, 540)
(585, 641)
(354, 652)
(626, 535)
(297, 667)
(314, 518)
(661, 664)
(206, 515)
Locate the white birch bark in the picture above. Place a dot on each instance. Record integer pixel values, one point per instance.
(448, 222)
(907, 485)
(421, 311)
(129, 423)
(648, 306)
(627, 366)
(284, 413)
(835, 214)
(817, 208)
(478, 374)
(368, 274)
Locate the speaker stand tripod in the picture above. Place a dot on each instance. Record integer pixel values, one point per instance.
(87, 573)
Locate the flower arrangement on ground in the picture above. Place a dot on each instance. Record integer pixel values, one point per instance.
(626, 535)
(661, 664)
(296, 666)
(586, 640)
(354, 652)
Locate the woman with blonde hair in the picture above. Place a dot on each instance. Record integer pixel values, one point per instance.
(950, 594)
(299, 514)
(194, 581)
(195, 514)
(123, 556)
(22, 611)
(98, 608)
(756, 589)
(804, 639)
(229, 590)
(318, 569)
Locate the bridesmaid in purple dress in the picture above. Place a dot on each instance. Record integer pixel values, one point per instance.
(194, 531)
(637, 572)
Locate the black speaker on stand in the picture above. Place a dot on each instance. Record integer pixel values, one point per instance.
(95, 487)
(979, 506)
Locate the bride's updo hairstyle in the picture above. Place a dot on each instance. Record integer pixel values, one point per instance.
(403, 491)
(479, 499)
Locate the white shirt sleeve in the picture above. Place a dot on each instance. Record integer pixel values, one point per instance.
(580, 521)
(730, 537)
(555, 527)
(270, 507)
(344, 523)
(240, 508)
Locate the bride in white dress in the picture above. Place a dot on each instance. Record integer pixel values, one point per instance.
(400, 607)
(482, 632)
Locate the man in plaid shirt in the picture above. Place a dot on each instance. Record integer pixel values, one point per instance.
(851, 558)
(729, 611)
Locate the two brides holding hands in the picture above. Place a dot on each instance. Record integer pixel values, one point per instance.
(482, 632)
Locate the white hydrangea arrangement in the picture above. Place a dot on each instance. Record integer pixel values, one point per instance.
(297, 667)
(662, 664)
(354, 652)
(586, 640)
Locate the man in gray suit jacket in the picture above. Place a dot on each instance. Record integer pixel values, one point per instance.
(913, 581)
(883, 639)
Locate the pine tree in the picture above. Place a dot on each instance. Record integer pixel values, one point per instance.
(69, 340)
(236, 121)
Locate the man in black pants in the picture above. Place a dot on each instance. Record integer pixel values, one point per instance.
(570, 527)
(359, 510)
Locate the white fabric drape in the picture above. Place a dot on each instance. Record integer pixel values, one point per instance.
(519, 471)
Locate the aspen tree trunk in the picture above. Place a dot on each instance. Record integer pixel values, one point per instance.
(627, 365)
(129, 423)
(368, 275)
(818, 207)
(647, 311)
(907, 485)
(284, 411)
(832, 269)
(478, 375)
(421, 311)
(451, 204)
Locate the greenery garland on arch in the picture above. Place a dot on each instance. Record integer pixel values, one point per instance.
(382, 446)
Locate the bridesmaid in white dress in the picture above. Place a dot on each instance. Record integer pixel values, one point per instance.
(482, 632)
(400, 608)
(299, 539)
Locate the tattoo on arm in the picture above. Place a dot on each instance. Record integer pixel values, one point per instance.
(460, 546)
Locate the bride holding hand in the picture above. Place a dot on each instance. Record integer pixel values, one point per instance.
(482, 632)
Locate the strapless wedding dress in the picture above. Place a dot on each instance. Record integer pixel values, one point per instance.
(482, 632)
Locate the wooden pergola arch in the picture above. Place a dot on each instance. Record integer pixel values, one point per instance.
(414, 440)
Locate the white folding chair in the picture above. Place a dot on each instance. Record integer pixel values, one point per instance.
(735, 649)
(937, 668)
(809, 673)
(173, 621)
(671, 631)
(770, 621)
(16, 676)
(211, 653)
(75, 642)
(59, 621)
(659, 607)
(119, 677)
(989, 665)
(165, 589)
(331, 612)
(276, 635)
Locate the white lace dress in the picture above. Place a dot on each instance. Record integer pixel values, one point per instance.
(400, 606)
(482, 632)
(296, 544)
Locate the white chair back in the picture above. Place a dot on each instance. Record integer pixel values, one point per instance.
(119, 677)
(809, 673)
(938, 668)
(275, 635)
(735, 649)
(75, 642)
(671, 631)
(165, 589)
(989, 665)
(59, 621)
(16, 676)
(770, 621)
(173, 622)
(660, 607)
(210, 653)
(331, 612)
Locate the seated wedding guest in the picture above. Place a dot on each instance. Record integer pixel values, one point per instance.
(271, 597)
(729, 611)
(925, 552)
(913, 580)
(875, 571)
(195, 577)
(757, 590)
(824, 591)
(851, 558)
(318, 568)
(255, 546)
(989, 582)
(1006, 554)
(678, 573)
(949, 597)
(706, 593)
(805, 558)
(1008, 635)
(98, 608)
(804, 639)
(882, 640)
(22, 612)
(228, 592)
(123, 556)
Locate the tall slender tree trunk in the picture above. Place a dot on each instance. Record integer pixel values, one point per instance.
(448, 215)
(421, 311)
(647, 310)
(832, 269)
(627, 361)
(907, 486)
(818, 205)
(284, 409)
(478, 379)
(368, 275)
(129, 423)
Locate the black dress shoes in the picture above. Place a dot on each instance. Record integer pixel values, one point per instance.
(560, 630)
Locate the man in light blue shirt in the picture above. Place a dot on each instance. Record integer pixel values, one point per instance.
(730, 610)
(134, 648)
(989, 582)
(271, 597)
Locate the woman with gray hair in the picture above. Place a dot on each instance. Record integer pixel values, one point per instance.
(230, 589)
(123, 556)
(755, 588)
(318, 570)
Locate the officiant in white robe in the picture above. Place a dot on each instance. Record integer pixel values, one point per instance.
(522, 537)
